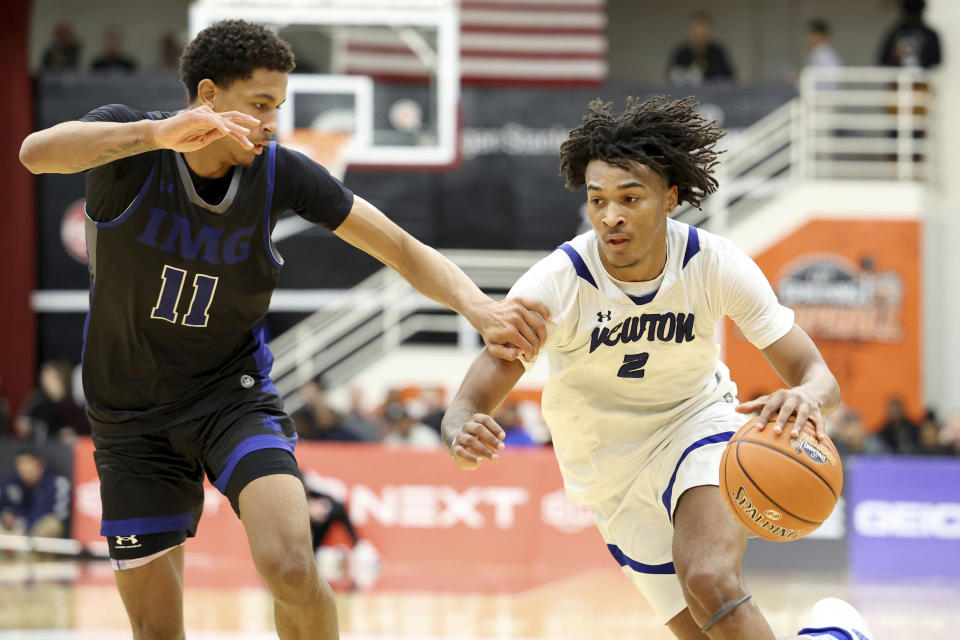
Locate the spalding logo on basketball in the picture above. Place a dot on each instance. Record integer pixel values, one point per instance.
(807, 444)
(780, 487)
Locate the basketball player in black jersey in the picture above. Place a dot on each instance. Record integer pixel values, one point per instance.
(180, 208)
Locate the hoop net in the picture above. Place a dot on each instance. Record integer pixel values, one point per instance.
(323, 147)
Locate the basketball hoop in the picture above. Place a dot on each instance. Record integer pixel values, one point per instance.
(326, 148)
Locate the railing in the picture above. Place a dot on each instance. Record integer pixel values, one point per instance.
(378, 315)
(865, 123)
(848, 122)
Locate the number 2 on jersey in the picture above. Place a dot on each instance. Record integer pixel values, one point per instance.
(204, 287)
(633, 364)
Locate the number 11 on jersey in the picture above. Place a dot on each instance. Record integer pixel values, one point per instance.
(204, 287)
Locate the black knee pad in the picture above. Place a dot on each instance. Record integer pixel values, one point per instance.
(257, 464)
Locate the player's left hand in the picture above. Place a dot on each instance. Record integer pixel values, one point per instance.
(785, 403)
(478, 439)
(514, 327)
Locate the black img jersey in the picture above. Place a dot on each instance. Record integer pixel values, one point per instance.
(181, 274)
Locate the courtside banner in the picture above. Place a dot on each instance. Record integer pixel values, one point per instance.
(904, 516)
(507, 525)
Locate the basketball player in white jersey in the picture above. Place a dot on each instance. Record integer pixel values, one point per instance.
(638, 403)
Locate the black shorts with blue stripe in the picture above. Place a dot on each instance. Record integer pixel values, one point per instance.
(151, 485)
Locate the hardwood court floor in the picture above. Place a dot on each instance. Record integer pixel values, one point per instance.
(57, 601)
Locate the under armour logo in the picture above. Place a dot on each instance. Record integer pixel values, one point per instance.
(601, 317)
(166, 186)
(131, 539)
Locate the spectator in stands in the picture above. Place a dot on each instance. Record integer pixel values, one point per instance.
(63, 52)
(393, 397)
(358, 421)
(326, 511)
(33, 501)
(404, 430)
(699, 59)
(342, 567)
(910, 42)
(950, 434)
(113, 58)
(846, 431)
(898, 431)
(50, 412)
(508, 417)
(170, 49)
(317, 420)
(928, 436)
(820, 52)
(433, 408)
(850, 437)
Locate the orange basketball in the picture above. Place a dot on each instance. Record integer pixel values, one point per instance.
(779, 487)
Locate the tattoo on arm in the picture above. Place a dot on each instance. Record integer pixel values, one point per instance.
(132, 148)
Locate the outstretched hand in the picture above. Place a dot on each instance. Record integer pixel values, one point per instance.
(785, 403)
(196, 128)
(514, 327)
(478, 439)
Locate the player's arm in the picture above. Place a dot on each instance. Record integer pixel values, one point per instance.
(509, 328)
(71, 147)
(467, 429)
(813, 391)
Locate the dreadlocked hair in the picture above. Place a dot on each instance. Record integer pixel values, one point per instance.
(669, 136)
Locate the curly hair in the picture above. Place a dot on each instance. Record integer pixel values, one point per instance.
(231, 50)
(669, 136)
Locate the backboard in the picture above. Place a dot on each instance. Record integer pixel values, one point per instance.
(384, 71)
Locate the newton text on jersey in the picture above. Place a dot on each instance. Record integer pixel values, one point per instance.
(665, 327)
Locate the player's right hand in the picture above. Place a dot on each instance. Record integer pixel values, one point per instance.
(196, 128)
(514, 327)
(479, 439)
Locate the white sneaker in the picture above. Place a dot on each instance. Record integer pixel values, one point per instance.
(838, 616)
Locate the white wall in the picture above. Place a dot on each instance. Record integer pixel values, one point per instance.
(842, 199)
(942, 236)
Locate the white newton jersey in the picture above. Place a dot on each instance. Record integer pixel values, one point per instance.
(624, 369)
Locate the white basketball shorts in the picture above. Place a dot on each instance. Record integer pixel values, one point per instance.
(637, 524)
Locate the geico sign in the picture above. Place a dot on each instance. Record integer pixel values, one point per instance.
(887, 519)
(427, 506)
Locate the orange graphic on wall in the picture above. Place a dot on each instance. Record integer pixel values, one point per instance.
(855, 288)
